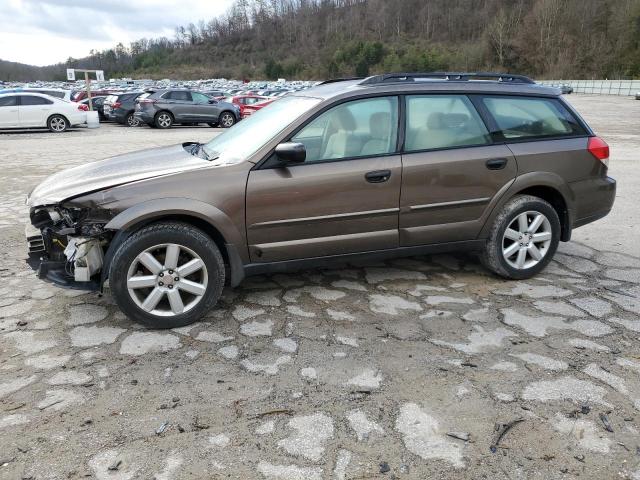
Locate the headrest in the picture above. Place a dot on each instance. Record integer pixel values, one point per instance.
(380, 125)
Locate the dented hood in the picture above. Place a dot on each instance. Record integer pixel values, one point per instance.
(127, 168)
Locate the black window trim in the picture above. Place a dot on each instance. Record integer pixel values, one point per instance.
(491, 142)
(496, 133)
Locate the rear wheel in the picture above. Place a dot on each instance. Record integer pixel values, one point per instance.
(131, 120)
(227, 119)
(164, 120)
(57, 124)
(523, 239)
(167, 275)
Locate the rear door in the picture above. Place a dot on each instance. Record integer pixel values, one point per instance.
(342, 199)
(180, 105)
(34, 110)
(451, 170)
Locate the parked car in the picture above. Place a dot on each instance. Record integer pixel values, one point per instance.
(356, 169)
(164, 108)
(246, 100)
(97, 104)
(248, 110)
(52, 92)
(33, 110)
(637, 95)
(80, 95)
(121, 108)
(566, 89)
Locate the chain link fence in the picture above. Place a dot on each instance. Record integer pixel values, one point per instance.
(625, 88)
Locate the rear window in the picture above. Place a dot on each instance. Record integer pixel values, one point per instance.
(531, 117)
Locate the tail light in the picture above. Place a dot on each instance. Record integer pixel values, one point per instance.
(599, 149)
(115, 105)
(83, 107)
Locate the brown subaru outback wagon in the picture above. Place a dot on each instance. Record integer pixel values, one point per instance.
(390, 165)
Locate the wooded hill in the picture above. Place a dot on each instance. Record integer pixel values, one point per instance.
(318, 39)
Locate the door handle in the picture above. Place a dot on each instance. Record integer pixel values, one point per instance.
(378, 176)
(496, 163)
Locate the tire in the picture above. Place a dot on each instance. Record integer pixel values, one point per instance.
(227, 119)
(163, 120)
(57, 124)
(131, 120)
(212, 125)
(518, 256)
(134, 285)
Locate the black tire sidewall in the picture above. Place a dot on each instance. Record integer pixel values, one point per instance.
(531, 204)
(157, 234)
(231, 115)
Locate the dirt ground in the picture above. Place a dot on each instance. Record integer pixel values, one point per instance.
(418, 368)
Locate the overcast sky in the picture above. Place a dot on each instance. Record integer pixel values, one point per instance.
(42, 32)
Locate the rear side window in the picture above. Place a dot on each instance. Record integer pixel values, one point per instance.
(8, 101)
(531, 117)
(33, 100)
(443, 121)
(178, 95)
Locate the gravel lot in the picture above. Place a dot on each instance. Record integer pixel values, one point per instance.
(406, 369)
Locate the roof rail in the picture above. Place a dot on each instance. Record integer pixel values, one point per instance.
(446, 76)
(335, 80)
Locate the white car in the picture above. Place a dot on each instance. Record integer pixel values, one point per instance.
(53, 92)
(34, 110)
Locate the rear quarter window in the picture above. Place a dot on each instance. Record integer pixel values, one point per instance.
(531, 117)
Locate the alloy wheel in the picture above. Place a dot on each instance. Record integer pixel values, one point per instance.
(164, 120)
(526, 240)
(227, 120)
(132, 121)
(167, 280)
(58, 124)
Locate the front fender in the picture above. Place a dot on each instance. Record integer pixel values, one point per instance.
(163, 207)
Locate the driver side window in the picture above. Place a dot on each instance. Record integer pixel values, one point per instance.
(361, 128)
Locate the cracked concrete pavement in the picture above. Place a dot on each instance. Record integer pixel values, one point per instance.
(403, 369)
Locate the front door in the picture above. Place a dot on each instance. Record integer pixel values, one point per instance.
(34, 110)
(342, 199)
(9, 116)
(451, 171)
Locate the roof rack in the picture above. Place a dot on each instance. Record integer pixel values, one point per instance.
(334, 80)
(446, 76)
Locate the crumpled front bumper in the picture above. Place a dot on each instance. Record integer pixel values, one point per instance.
(53, 271)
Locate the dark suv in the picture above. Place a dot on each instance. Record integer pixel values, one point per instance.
(165, 107)
(121, 107)
(391, 165)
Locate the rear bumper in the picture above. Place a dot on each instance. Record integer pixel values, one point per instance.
(594, 199)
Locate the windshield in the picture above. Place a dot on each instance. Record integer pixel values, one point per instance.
(248, 136)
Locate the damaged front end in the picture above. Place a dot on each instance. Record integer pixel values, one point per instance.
(67, 245)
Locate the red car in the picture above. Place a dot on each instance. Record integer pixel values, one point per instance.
(247, 110)
(244, 101)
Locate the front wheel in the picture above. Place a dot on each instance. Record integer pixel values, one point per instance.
(57, 124)
(167, 275)
(523, 238)
(227, 119)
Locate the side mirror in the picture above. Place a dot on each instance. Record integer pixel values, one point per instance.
(213, 101)
(291, 152)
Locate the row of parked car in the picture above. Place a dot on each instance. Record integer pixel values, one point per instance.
(157, 108)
